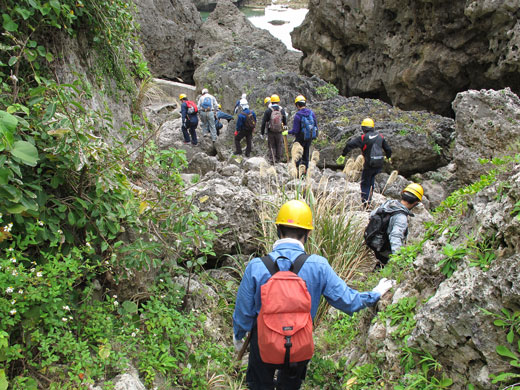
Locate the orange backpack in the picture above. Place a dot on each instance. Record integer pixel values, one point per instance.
(285, 322)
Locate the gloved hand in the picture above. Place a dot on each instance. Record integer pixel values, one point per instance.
(261, 136)
(236, 133)
(285, 132)
(383, 286)
(388, 160)
(340, 160)
(238, 344)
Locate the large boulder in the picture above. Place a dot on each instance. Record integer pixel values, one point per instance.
(414, 54)
(480, 137)
(168, 30)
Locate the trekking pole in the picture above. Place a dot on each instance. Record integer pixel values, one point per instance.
(244, 347)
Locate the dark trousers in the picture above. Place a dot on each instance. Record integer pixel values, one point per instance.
(368, 177)
(275, 143)
(260, 375)
(191, 128)
(304, 160)
(241, 134)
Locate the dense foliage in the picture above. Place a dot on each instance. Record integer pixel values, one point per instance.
(73, 224)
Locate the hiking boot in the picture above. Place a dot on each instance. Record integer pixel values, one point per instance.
(186, 142)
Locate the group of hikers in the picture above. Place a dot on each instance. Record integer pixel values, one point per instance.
(279, 294)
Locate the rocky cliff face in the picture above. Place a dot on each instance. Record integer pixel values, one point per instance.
(414, 54)
(168, 30)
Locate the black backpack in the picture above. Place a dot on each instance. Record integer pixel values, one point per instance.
(375, 156)
(375, 234)
(250, 122)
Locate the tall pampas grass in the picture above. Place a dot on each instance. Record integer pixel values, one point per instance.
(391, 179)
(315, 158)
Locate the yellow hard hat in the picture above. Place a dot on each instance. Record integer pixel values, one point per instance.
(295, 213)
(275, 98)
(219, 106)
(300, 98)
(367, 122)
(182, 96)
(267, 100)
(415, 189)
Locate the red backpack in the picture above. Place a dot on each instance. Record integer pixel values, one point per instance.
(285, 322)
(192, 107)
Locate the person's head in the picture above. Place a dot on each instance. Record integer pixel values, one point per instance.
(275, 99)
(412, 195)
(182, 96)
(294, 220)
(267, 100)
(300, 101)
(204, 91)
(367, 125)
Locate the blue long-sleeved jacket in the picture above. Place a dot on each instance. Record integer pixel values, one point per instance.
(241, 120)
(297, 127)
(223, 115)
(317, 274)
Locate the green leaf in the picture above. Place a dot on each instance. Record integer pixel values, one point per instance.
(8, 24)
(8, 125)
(31, 55)
(49, 57)
(56, 5)
(104, 351)
(26, 152)
(49, 112)
(4, 176)
(71, 218)
(16, 209)
(504, 351)
(41, 51)
(12, 60)
(510, 336)
(3, 380)
(129, 307)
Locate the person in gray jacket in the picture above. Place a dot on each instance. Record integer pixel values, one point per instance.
(397, 229)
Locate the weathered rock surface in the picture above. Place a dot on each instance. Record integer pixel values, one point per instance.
(488, 126)
(414, 54)
(168, 31)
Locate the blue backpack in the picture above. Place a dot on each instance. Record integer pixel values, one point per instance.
(308, 126)
(206, 103)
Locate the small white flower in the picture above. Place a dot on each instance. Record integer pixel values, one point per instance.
(13, 260)
(70, 317)
(11, 249)
(64, 319)
(9, 227)
(162, 296)
(32, 270)
(14, 273)
(133, 334)
(13, 301)
(40, 223)
(12, 312)
(88, 244)
(114, 296)
(1, 215)
(20, 291)
(66, 307)
(161, 280)
(39, 274)
(9, 290)
(116, 303)
(60, 231)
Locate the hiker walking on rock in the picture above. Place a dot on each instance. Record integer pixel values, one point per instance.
(372, 145)
(207, 105)
(246, 124)
(221, 115)
(190, 120)
(388, 225)
(274, 121)
(278, 299)
(305, 129)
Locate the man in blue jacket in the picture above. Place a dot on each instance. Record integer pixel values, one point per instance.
(297, 131)
(246, 124)
(190, 120)
(294, 223)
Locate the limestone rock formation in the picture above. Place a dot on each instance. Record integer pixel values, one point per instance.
(414, 54)
(168, 31)
(488, 126)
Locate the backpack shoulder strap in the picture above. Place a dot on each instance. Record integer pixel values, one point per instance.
(271, 265)
(298, 263)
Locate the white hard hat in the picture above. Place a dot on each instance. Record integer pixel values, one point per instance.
(204, 90)
(244, 96)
